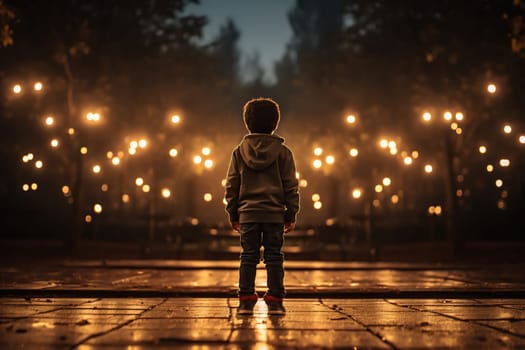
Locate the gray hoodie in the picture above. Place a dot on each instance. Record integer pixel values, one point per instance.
(261, 184)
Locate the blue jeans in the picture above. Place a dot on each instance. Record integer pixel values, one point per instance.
(271, 237)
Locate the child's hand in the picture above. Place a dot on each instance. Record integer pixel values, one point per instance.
(236, 226)
(289, 226)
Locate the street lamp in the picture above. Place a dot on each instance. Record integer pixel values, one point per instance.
(49, 121)
(17, 89)
(38, 86)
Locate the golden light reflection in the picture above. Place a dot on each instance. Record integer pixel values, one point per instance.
(428, 168)
(71, 131)
(386, 181)
(318, 151)
(173, 152)
(143, 143)
(104, 187)
(415, 154)
(354, 152)
(83, 150)
(407, 160)
(30, 156)
(318, 205)
(303, 183)
(96, 169)
(115, 160)
(376, 203)
(42, 324)
(378, 188)
(139, 181)
(383, 143)
(490, 168)
(317, 163)
(507, 129)
(316, 197)
(356, 193)
(501, 204)
(521, 139)
(66, 190)
(499, 183)
(491, 88)
(459, 131)
(132, 151)
(223, 182)
(206, 151)
(34, 186)
(54, 143)
(207, 197)
(459, 116)
(482, 149)
(197, 159)
(427, 116)
(330, 159)
(125, 198)
(453, 125)
(88, 218)
(146, 188)
(25, 187)
(39, 164)
(447, 116)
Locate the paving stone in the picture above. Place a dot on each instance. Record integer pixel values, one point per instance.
(469, 336)
(308, 339)
(10, 311)
(131, 337)
(479, 312)
(512, 326)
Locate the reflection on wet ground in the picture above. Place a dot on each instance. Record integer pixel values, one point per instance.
(212, 323)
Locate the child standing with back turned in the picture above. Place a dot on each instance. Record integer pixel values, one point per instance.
(262, 195)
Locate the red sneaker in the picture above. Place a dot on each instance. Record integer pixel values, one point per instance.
(246, 304)
(275, 305)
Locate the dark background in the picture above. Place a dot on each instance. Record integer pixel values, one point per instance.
(387, 63)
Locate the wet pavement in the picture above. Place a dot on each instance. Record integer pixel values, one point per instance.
(163, 304)
(170, 278)
(212, 323)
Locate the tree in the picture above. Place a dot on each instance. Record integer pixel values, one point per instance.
(89, 54)
(6, 18)
(390, 62)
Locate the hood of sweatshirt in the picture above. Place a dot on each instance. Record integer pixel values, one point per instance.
(259, 151)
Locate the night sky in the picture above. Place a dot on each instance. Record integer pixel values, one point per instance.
(263, 24)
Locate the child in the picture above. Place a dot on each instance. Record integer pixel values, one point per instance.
(262, 196)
